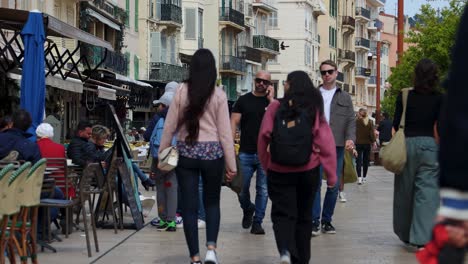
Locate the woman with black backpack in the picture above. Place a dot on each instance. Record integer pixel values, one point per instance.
(294, 140)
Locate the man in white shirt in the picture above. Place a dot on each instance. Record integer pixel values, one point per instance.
(339, 113)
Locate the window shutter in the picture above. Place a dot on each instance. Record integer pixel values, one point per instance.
(173, 50)
(158, 9)
(155, 47)
(136, 66)
(190, 24)
(163, 48)
(136, 15)
(127, 9)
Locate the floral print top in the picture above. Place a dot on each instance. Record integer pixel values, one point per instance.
(206, 150)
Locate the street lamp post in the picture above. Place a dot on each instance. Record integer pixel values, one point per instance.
(377, 101)
(401, 30)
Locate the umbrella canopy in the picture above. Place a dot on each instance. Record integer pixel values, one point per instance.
(33, 79)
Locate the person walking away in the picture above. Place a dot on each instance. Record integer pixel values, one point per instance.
(199, 114)
(298, 118)
(339, 113)
(248, 112)
(416, 193)
(365, 137)
(385, 129)
(166, 182)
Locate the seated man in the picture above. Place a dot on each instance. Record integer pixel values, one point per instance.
(16, 138)
(80, 151)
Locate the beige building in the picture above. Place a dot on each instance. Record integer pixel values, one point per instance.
(296, 27)
(346, 54)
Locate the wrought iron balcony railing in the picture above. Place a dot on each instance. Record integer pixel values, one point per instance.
(165, 72)
(114, 61)
(362, 42)
(265, 42)
(231, 15)
(250, 54)
(361, 71)
(231, 63)
(346, 55)
(349, 21)
(172, 13)
(361, 11)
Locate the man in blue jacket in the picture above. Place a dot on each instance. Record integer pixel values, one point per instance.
(16, 138)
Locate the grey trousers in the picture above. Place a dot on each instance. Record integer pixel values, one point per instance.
(166, 195)
(416, 193)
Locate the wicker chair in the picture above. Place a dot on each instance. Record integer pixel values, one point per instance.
(6, 210)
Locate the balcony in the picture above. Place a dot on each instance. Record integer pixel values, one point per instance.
(363, 14)
(250, 54)
(362, 72)
(340, 77)
(115, 62)
(171, 15)
(165, 72)
(231, 17)
(266, 44)
(375, 25)
(362, 43)
(232, 64)
(347, 55)
(265, 5)
(349, 23)
(378, 2)
(319, 9)
(372, 81)
(107, 7)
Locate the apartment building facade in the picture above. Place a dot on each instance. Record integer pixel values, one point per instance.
(297, 30)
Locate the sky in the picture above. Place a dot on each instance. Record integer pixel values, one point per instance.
(412, 6)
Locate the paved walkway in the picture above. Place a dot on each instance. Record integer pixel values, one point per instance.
(364, 235)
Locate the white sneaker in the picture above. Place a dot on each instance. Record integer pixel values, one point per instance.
(285, 258)
(179, 222)
(342, 196)
(211, 257)
(359, 181)
(201, 224)
(364, 180)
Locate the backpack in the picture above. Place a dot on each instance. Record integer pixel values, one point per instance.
(155, 139)
(291, 140)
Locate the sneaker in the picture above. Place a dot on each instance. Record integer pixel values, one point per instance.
(315, 230)
(364, 180)
(201, 224)
(342, 196)
(196, 262)
(285, 258)
(327, 228)
(211, 257)
(248, 218)
(179, 222)
(155, 221)
(162, 225)
(257, 229)
(148, 183)
(171, 226)
(359, 181)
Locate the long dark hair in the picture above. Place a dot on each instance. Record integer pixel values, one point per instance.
(301, 95)
(426, 76)
(201, 85)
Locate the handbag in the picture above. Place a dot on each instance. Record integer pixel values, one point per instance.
(168, 159)
(393, 154)
(236, 183)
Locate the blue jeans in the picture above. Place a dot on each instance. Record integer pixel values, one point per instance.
(331, 194)
(249, 164)
(140, 174)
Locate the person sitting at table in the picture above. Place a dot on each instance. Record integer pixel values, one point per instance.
(16, 138)
(79, 150)
(99, 137)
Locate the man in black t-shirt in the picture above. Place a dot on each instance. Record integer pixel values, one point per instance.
(248, 112)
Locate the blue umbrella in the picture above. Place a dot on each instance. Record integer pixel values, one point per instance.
(33, 79)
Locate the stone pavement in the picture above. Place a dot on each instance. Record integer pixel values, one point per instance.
(364, 235)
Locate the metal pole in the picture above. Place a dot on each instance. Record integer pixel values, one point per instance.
(401, 30)
(377, 101)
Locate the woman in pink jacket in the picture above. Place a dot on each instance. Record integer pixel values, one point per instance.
(199, 115)
(291, 188)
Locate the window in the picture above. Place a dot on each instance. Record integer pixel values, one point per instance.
(307, 54)
(57, 9)
(163, 48)
(136, 15)
(136, 66)
(70, 15)
(190, 23)
(332, 37)
(273, 20)
(200, 28)
(173, 49)
(158, 9)
(333, 8)
(155, 52)
(151, 11)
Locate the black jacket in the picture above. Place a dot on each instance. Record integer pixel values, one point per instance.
(385, 130)
(81, 151)
(16, 139)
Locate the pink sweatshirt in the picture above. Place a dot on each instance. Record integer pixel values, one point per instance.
(324, 150)
(215, 125)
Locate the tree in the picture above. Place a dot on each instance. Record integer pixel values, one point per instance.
(433, 38)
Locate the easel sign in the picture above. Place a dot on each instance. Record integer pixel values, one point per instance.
(120, 135)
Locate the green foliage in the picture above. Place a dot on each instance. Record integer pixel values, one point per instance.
(433, 38)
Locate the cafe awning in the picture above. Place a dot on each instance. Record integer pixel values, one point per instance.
(103, 19)
(15, 19)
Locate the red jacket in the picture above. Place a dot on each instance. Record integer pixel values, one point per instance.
(50, 149)
(324, 147)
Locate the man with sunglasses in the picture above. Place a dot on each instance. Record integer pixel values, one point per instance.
(339, 113)
(248, 112)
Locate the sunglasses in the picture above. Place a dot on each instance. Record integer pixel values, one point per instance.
(330, 72)
(265, 82)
